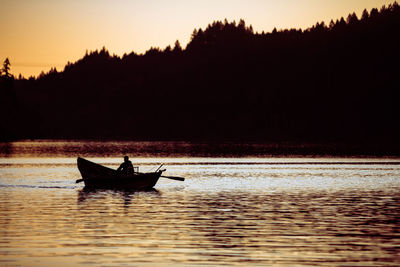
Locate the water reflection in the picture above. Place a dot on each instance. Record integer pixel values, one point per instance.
(327, 227)
(229, 211)
(6, 149)
(87, 148)
(87, 193)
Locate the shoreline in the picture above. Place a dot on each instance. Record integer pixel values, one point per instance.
(200, 148)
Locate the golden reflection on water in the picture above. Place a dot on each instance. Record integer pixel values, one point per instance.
(233, 212)
(112, 228)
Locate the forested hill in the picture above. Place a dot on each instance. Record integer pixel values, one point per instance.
(330, 83)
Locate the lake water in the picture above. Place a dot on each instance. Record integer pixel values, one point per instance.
(231, 210)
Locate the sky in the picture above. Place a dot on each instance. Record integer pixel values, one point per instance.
(39, 34)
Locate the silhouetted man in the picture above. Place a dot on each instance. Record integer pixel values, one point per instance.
(126, 167)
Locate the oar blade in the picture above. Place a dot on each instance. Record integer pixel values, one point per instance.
(174, 178)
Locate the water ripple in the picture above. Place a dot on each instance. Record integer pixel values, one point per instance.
(223, 214)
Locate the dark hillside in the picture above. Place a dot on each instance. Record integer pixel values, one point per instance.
(336, 83)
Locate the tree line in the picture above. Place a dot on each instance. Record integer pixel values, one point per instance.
(336, 83)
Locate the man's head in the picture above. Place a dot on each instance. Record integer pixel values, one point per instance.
(126, 158)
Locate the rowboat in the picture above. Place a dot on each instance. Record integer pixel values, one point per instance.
(97, 176)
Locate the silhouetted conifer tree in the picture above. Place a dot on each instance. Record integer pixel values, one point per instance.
(177, 47)
(365, 15)
(6, 68)
(352, 19)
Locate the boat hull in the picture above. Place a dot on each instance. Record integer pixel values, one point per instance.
(98, 176)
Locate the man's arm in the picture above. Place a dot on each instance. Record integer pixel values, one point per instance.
(120, 167)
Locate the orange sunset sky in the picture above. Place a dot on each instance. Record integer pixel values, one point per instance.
(39, 34)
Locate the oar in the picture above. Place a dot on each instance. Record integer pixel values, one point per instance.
(159, 167)
(169, 177)
(174, 178)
